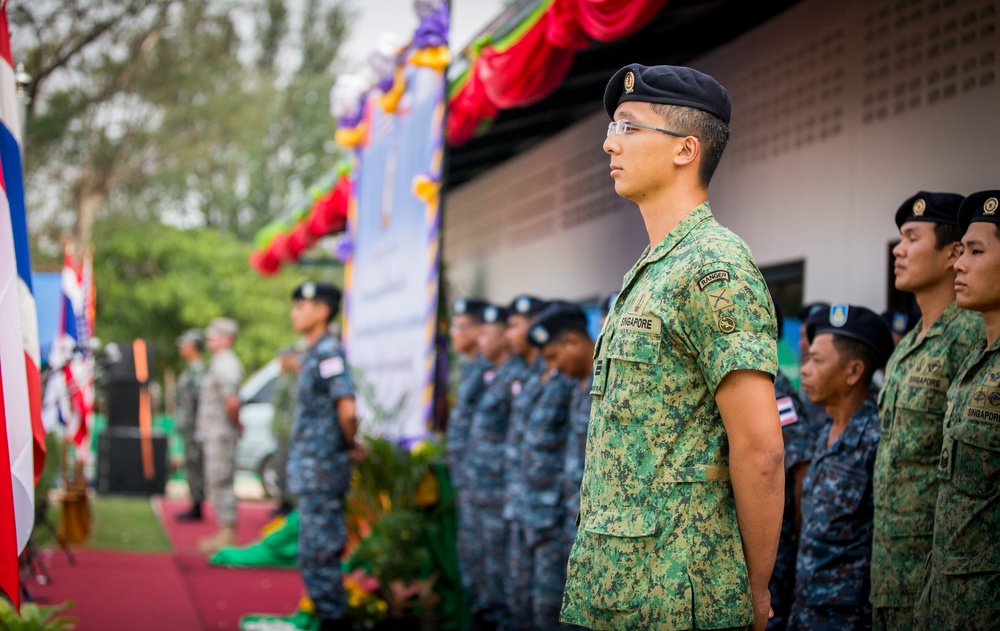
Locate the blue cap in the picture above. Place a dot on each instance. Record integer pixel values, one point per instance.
(555, 320)
(492, 314)
(857, 323)
(472, 307)
(526, 305)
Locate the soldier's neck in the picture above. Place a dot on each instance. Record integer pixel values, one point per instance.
(991, 319)
(933, 301)
(312, 336)
(842, 410)
(662, 214)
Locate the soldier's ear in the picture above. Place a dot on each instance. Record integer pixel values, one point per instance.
(855, 370)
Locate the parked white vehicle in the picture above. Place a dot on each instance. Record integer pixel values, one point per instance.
(255, 449)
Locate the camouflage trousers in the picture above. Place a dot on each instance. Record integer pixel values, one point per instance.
(805, 617)
(194, 463)
(469, 560)
(490, 544)
(220, 471)
(322, 536)
(536, 577)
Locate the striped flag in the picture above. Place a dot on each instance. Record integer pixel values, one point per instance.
(786, 411)
(22, 447)
(10, 151)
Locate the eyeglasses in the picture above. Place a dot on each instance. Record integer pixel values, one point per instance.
(622, 126)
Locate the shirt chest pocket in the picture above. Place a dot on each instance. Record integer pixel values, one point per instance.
(633, 393)
(977, 457)
(919, 423)
(837, 497)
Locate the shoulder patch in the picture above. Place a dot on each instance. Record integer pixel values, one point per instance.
(711, 277)
(331, 367)
(720, 298)
(786, 411)
(639, 302)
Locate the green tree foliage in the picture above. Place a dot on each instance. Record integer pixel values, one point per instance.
(155, 281)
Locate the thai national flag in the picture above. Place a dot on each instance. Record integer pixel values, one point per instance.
(786, 411)
(22, 439)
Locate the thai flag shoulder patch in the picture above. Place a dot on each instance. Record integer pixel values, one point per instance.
(786, 411)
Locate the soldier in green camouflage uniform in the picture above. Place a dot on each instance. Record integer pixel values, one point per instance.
(684, 434)
(962, 582)
(190, 345)
(912, 404)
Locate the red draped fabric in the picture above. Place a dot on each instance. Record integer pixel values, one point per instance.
(533, 67)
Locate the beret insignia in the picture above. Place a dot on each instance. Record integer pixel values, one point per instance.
(918, 207)
(990, 206)
(629, 82)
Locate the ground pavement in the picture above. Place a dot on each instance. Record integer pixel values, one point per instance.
(174, 591)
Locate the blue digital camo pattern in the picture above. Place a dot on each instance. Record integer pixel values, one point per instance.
(486, 487)
(912, 405)
(520, 409)
(834, 561)
(799, 437)
(470, 389)
(576, 452)
(317, 456)
(537, 560)
(659, 544)
(322, 536)
(319, 473)
(963, 582)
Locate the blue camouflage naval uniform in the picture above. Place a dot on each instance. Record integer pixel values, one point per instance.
(470, 388)
(485, 457)
(520, 409)
(539, 565)
(576, 452)
(832, 575)
(319, 474)
(799, 435)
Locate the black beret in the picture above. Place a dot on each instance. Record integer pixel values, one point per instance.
(526, 305)
(609, 302)
(320, 292)
(671, 85)
(555, 320)
(901, 321)
(933, 207)
(811, 309)
(857, 323)
(492, 314)
(981, 206)
(472, 307)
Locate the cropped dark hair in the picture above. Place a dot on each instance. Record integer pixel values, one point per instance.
(712, 133)
(946, 234)
(850, 349)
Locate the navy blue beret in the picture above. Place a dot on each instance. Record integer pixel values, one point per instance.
(811, 309)
(901, 321)
(472, 307)
(934, 207)
(492, 314)
(857, 323)
(981, 206)
(670, 85)
(526, 305)
(321, 292)
(555, 320)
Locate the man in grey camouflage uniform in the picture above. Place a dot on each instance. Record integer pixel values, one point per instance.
(913, 401)
(682, 493)
(190, 346)
(962, 578)
(323, 446)
(834, 556)
(219, 428)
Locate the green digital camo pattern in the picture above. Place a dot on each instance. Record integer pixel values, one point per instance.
(963, 583)
(658, 544)
(912, 403)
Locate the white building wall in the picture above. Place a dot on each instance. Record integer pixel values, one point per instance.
(841, 110)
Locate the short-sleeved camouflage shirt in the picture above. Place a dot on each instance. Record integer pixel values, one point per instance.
(221, 380)
(317, 456)
(659, 545)
(912, 403)
(960, 591)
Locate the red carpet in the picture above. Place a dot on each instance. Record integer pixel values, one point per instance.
(177, 592)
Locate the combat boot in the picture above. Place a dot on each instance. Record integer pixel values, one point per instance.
(225, 537)
(191, 514)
